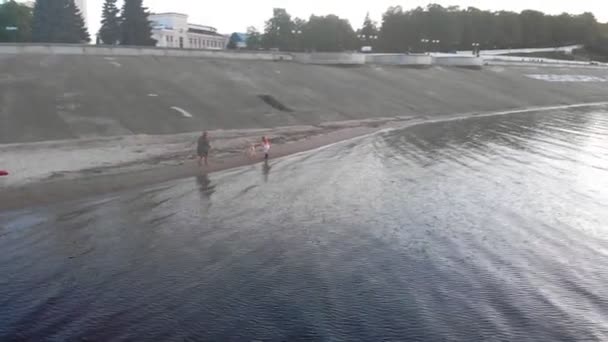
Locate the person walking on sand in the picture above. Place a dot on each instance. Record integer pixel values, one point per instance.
(202, 149)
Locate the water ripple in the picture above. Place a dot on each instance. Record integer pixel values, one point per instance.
(489, 229)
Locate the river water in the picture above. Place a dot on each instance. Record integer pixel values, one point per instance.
(487, 229)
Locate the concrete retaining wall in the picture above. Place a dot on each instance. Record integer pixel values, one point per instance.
(399, 60)
(483, 52)
(93, 50)
(97, 97)
(540, 61)
(339, 59)
(458, 61)
(330, 58)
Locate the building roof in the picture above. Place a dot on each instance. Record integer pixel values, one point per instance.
(202, 27)
(170, 13)
(193, 28)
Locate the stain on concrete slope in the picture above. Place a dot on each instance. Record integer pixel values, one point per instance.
(274, 103)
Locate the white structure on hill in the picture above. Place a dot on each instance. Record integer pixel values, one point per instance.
(173, 30)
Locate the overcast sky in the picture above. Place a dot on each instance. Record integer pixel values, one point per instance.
(236, 15)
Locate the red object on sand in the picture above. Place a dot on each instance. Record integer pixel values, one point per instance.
(3, 173)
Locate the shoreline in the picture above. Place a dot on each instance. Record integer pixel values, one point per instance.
(286, 141)
(96, 182)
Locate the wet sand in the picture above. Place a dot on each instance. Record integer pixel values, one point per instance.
(99, 181)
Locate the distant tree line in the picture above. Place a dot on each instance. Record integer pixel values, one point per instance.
(458, 29)
(320, 33)
(55, 21)
(131, 27)
(60, 21)
(433, 27)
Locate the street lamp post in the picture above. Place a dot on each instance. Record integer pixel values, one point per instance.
(475, 49)
(367, 38)
(436, 43)
(297, 34)
(278, 38)
(425, 43)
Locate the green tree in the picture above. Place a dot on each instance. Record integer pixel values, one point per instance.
(58, 21)
(235, 39)
(109, 33)
(329, 33)
(436, 28)
(457, 28)
(278, 32)
(534, 29)
(135, 27)
(588, 31)
(14, 14)
(397, 32)
(508, 32)
(254, 39)
(77, 29)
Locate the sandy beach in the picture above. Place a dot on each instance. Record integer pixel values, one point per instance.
(100, 172)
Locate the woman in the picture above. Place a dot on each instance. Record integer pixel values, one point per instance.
(203, 148)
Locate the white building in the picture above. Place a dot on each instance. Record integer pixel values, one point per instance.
(173, 30)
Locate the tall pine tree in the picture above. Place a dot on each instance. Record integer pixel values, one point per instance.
(109, 33)
(76, 31)
(58, 21)
(41, 22)
(135, 27)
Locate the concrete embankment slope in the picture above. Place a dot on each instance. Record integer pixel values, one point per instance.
(49, 97)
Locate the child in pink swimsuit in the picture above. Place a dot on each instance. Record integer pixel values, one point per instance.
(266, 146)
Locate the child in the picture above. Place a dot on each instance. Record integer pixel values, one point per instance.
(266, 146)
(251, 151)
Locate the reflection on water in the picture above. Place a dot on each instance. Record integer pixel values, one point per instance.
(266, 170)
(482, 229)
(204, 186)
